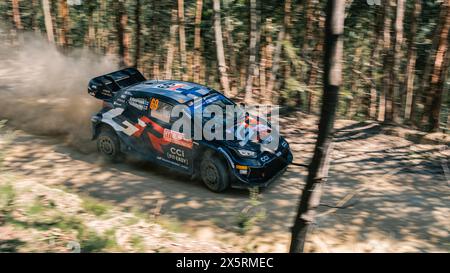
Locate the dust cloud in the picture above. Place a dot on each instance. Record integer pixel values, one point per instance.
(44, 91)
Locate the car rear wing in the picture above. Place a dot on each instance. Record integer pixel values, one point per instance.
(104, 87)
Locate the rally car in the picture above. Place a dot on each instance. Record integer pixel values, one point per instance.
(137, 119)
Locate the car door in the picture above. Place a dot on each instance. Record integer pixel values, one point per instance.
(171, 148)
(135, 112)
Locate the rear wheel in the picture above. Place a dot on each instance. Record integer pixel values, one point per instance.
(214, 174)
(108, 145)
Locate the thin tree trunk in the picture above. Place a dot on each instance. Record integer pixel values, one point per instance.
(394, 94)
(309, 15)
(171, 44)
(287, 39)
(48, 21)
(269, 98)
(374, 62)
(16, 14)
(228, 35)
(262, 71)
(314, 71)
(156, 42)
(439, 72)
(254, 37)
(122, 37)
(63, 10)
(34, 15)
(412, 55)
(219, 49)
(385, 105)
(355, 101)
(137, 35)
(91, 28)
(242, 75)
(197, 41)
(318, 168)
(268, 61)
(182, 40)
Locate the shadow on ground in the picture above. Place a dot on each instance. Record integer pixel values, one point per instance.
(400, 195)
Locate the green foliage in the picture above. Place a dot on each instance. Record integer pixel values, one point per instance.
(137, 242)
(252, 213)
(93, 206)
(7, 195)
(92, 242)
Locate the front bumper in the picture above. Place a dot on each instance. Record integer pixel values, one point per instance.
(265, 175)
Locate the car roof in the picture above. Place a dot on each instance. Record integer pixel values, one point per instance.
(179, 91)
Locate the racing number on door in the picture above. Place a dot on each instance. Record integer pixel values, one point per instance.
(154, 104)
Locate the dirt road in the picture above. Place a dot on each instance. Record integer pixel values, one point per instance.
(398, 195)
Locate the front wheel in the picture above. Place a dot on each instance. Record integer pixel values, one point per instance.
(214, 174)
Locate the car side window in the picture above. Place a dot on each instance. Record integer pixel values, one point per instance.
(160, 110)
(136, 106)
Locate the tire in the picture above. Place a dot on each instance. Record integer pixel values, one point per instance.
(108, 145)
(214, 174)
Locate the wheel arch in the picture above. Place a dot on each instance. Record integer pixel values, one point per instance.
(98, 127)
(217, 152)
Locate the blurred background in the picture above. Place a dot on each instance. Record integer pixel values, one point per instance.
(396, 55)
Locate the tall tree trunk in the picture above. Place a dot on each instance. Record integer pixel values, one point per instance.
(228, 35)
(268, 97)
(182, 40)
(262, 69)
(287, 69)
(439, 72)
(412, 55)
(16, 14)
(374, 62)
(354, 103)
(171, 44)
(122, 37)
(309, 16)
(385, 105)
(155, 44)
(252, 63)
(318, 169)
(63, 10)
(137, 35)
(219, 49)
(197, 40)
(392, 113)
(34, 15)
(275, 66)
(48, 21)
(314, 71)
(269, 51)
(91, 28)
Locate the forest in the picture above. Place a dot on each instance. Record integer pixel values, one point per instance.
(395, 66)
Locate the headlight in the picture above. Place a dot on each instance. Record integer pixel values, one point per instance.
(246, 153)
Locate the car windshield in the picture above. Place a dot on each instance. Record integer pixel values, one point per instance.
(214, 99)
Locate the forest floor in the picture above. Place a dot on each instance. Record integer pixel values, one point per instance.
(393, 185)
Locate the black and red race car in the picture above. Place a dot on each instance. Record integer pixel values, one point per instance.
(138, 118)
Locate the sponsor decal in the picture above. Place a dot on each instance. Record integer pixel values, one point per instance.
(177, 155)
(172, 162)
(139, 103)
(265, 158)
(177, 138)
(105, 92)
